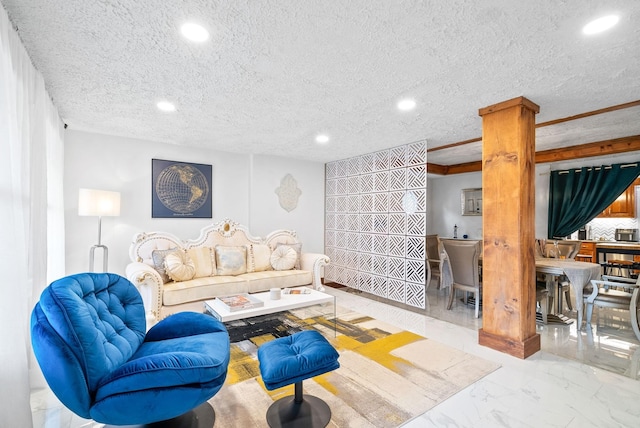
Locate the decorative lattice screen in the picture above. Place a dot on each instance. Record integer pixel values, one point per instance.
(374, 245)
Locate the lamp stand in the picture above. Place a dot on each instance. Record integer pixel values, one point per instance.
(105, 250)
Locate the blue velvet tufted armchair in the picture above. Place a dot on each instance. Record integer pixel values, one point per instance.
(89, 336)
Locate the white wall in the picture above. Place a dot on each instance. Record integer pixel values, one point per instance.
(445, 210)
(307, 219)
(444, 196)
(242, 189)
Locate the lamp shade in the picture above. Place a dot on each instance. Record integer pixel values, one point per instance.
(101, 203)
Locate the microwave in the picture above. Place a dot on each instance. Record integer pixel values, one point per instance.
(627, 235)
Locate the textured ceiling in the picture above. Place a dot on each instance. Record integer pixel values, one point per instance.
(275, 73)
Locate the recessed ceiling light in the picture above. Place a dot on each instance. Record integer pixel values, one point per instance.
(601, 24)
(194, 32)
(406, 104)
(322, 139)
(166, 106)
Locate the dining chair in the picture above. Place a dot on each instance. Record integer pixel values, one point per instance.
(564, 249)
(464, 271)
(433, 257)
(614, 292)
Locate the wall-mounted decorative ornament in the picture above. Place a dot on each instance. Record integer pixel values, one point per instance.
(409, 202)
(288, 193)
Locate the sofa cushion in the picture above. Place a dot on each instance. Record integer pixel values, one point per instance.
(204, 259)
(205, 288)
(158, 257)
(261, 281)
(258, 257)
(283, 258)
(231, 260)
(179, 266)
(297, 248)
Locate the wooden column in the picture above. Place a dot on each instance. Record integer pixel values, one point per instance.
(508, 193)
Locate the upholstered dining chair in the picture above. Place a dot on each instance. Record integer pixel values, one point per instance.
(463, 264)
(614, 292)
(565, 249)
(89, 337)
(433, 257)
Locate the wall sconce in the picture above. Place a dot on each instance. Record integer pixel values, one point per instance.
(100, 203)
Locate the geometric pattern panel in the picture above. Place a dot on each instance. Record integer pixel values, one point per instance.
(353, 166)
(366, 163)
(366, 183)
(352, 239)
(417, 224)
(416, 295)
(379, 265)
(416, 153)
(379, 285)
(397, 180)
(416, 248)
(416, 177)
(330, 187)
(341, 169)
(366, 242)
(398, 157)
(381, 181)
(398, 223)
(395, 201)
(397, 245)
(381, 161)
(396, 268)
(397, 290)
(365, 282)
(373, 244)
(380, 244)
(415, 271)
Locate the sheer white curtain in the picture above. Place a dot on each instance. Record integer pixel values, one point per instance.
(31, 215)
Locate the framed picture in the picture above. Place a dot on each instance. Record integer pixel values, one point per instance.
(180, 189)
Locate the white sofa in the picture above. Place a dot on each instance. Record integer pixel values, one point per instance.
(163, 296)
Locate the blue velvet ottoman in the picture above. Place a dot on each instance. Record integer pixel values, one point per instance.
(290, 360)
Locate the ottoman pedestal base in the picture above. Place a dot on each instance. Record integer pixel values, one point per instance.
(299, 410)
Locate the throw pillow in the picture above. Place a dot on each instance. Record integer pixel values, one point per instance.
(231, 260)
(179, 266)
(158, 262)
(298, 250)
(204, 259)
(283, 258)
(258, 257)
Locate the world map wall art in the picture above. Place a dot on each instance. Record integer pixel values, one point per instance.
(180, 189)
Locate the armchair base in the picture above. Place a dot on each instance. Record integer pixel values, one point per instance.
(202, 416)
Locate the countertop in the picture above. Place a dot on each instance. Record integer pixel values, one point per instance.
(616, 244)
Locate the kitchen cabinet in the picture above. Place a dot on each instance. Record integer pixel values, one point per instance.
(624, 206)
(587, 252)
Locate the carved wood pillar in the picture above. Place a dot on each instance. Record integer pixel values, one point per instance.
(508, 193)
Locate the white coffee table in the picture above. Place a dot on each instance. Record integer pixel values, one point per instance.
(285, 303)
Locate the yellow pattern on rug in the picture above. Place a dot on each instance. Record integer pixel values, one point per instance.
(386, 377)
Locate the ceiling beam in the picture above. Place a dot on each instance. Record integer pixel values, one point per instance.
(599, 148)
(548, 123)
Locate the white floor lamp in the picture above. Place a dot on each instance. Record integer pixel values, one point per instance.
(100, 203)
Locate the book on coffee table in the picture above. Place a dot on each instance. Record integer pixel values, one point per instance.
(301, 290)
(237, 302)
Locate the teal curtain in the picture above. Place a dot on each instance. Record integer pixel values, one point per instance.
(578, 195)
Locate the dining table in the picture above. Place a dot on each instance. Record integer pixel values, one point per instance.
(578, 273)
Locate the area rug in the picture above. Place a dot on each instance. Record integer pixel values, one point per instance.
(387, 376)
